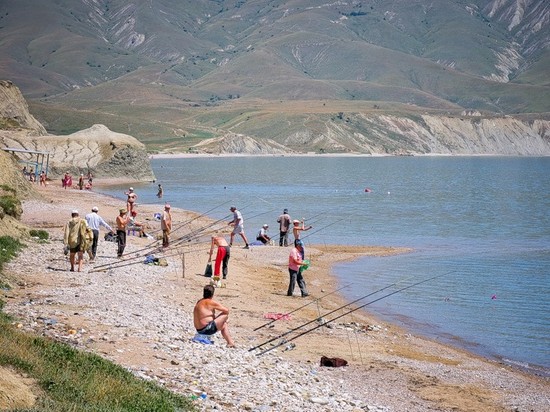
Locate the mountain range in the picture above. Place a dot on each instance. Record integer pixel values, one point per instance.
(300, 75)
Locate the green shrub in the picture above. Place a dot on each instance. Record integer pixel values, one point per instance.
(8, 249)
(11, 206)
(40, 234)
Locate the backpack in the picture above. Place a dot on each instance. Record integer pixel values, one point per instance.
(88, 239)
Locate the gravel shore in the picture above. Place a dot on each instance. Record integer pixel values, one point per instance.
(140, 316)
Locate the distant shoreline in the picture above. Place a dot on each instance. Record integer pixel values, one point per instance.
(318, 155)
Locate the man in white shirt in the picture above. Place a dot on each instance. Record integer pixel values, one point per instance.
(94, 221)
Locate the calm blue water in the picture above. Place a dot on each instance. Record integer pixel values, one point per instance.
(483, 223)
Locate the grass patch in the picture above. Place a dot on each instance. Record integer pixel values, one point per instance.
(40, 234)
(72, 380)
(11, 205)
(9, 247)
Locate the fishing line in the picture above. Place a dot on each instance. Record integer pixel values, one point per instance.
(350, 311)
(326, 314)
(303, 306)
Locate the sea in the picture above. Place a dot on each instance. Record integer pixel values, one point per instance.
(478, 273)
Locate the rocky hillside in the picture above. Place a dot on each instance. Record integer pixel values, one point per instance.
(430, 134)
(96, 149)
(13, 188)
(14, 111)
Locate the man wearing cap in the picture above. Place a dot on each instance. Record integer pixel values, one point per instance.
(94, 221)
(284, 225)
(238, 226)
(262, 235)
(166, 225)
(121, 222)
(74, 238)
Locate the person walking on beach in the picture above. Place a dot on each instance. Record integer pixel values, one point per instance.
(94, 222)
(205, 319)
(295, 261)
(284, 226)
(81, 181)
(160, 191)
(238, 226)
(122, 221)
(222, 256)
(74, 238)
(42, 178)
(166, 225)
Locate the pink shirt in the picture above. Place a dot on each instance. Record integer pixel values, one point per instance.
(294, 258)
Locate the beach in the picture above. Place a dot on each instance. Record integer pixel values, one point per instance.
(140, 316)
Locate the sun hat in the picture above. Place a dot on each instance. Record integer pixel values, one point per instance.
(265, 225)
(122, 210)
(295, 221)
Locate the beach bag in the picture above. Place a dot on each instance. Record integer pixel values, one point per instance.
(208, 270)
(333, 362)
(110, 237)
(88, 239)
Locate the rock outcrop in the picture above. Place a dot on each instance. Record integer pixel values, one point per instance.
(232, 143)
(98, 150)
(385, 134)
(14, 111)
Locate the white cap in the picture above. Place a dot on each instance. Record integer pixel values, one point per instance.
(131, 189)
(266, 225)
(95, 209)
(74, 212)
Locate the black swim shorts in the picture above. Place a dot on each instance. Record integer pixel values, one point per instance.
(209, 329)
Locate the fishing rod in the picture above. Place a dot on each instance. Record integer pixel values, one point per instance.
(278, 237)
(326, 314)
(303, 306)
(189, 236)
(128, 259)
(154, 244)
(121, 264)
(348, 312)
(195, 233)
(323, 228)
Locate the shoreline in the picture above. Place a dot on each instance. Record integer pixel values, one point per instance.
(454, 341)
(325, 155)
(392, 363)
(466, 346)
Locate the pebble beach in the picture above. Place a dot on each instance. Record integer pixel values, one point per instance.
(140, 316)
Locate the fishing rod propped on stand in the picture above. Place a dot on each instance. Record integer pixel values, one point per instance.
(323, 322)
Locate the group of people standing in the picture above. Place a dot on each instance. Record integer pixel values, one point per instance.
(82, 235)
(296, 263)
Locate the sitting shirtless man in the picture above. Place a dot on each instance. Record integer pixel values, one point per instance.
(205, 319)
